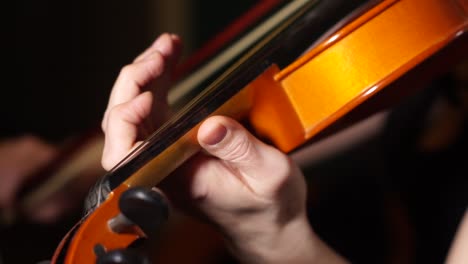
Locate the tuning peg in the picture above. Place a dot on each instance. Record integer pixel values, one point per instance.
(142, 207)
(123, 256)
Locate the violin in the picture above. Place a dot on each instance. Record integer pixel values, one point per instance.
(288, 87)
(84, 151)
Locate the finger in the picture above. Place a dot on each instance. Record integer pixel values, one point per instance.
(131, 82)
(255, 161)
(138, 77)
(122, 130)
(169, 47)
(160, 45)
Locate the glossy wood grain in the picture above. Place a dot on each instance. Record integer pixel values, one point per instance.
(289, 106)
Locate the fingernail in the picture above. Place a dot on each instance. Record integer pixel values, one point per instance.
(216, 135)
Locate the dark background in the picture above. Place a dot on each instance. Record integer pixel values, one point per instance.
(65, 57)
(67, 54)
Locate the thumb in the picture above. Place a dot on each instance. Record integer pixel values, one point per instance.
(255, 161)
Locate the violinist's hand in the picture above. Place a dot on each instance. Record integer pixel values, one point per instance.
(251, 191)
(20, 159)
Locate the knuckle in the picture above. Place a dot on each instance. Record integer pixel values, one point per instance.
(139, 74)
(130, 113)
(155, 66)
(114, 112)
(103, 126)
(110, 157)
(126, 71)
(129, 75)
(240, 149)
(169, 48)
(104, 122)
(106, 163)
(283, 166)
(120, 112)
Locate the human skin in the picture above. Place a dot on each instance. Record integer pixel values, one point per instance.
(20, 158)
(252, 192)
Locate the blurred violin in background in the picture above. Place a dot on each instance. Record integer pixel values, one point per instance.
(289, 86)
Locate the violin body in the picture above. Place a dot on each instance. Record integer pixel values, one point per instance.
(286, 102)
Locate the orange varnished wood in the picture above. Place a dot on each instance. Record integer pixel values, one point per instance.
(95, 231)
(172, 157)
(290, 106)
(357, 62)
(273, 116)
(95, 228)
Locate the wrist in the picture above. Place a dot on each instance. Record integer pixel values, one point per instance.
(293, 242)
